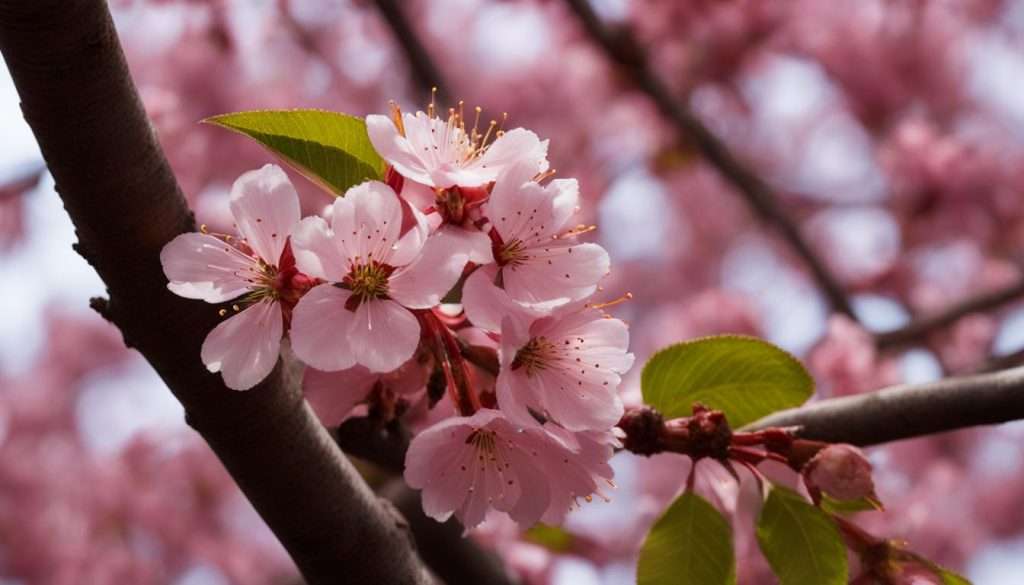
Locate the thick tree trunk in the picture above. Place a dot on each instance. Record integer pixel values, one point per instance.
(116, 185)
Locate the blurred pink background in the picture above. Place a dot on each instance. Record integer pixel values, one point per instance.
(893, 131)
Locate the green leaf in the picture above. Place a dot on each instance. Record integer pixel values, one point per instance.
(845, 507)
(331, 149)
(801, 543)
(690, 544)
(746, 378)
(950, 578)
(552, 538)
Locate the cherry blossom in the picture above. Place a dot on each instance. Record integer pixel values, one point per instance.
(467, 465)
(333, 395)
(375, 274)
(538, 261)
(260, 266)
(566, 368)
(443, 153)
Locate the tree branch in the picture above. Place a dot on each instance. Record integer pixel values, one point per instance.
(921, 326)
(117, 187)
(906, 411)
(426, 73)
(622, 49)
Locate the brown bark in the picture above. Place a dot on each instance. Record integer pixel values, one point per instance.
(116, 185)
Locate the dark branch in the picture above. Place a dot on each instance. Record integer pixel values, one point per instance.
(622, 49)
(423, 69)
(902, 412)
(922, 326)
(117, 187)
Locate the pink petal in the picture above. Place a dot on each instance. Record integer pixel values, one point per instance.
(321, 328)
(516, 391)
(245, 347)
(516, 145)
(395, 148)
(425, 282)
(200, 266)
(316, 252)
(474, 243)
(384, 335)
(367, 222)
(266, 210)
(556, 273)
(333, 394)
(486, 304)
(417, 230)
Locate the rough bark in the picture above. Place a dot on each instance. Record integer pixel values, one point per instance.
(79, 99)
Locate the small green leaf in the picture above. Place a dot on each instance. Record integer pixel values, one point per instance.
(845, 507)
(801, 543)
(690, 544)
(950, 578)
(746, 378)
(331, 149)
(552, 538)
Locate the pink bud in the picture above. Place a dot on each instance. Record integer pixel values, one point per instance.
(841, 471)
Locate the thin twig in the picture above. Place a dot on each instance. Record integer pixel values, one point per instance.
(906, 411)
(920, 327)
(622, 49)
(424, 70)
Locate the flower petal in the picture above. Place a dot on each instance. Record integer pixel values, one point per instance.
(395, 148)
(320, 329)
(384, 335)
(316, 252)
(474, 243)
(516, 145)
(556, 272)
(367, 222)
(486, 304)
(266, 209)
(245, 347)
(424, 283)
(333, 394)
(200, 266)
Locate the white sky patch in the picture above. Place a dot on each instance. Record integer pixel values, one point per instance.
(511, 36)
(879, 313)
(116, 404)
(794, 313)
(864, 241)
(919, 366)
(633, 223)
(201, 575)
(998, 564)
(996, 71)
(1010, 337)
(797, 112)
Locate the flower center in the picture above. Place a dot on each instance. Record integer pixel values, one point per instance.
(511, 254)
(535, 356)
(368, 281)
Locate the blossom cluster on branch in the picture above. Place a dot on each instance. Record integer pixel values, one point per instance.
(360, 295)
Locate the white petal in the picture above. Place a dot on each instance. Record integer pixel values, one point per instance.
(320, 329)
(426, 281)
(316, 252)
(516, 145)
(200, 266)
(367, 222)
(245, 347)
(384, 335)
(395, 148)
(266, 209)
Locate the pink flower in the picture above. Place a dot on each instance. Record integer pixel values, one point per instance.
(333, 395)
(466, 465)
(538, 261)
(566, 368)
(442, 153)
(375, 275)
(216, 269)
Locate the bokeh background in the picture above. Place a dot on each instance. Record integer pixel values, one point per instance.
(891, 130)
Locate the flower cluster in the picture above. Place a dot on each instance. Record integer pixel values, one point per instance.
(362, 296)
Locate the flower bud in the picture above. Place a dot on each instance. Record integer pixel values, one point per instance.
(841, 471)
